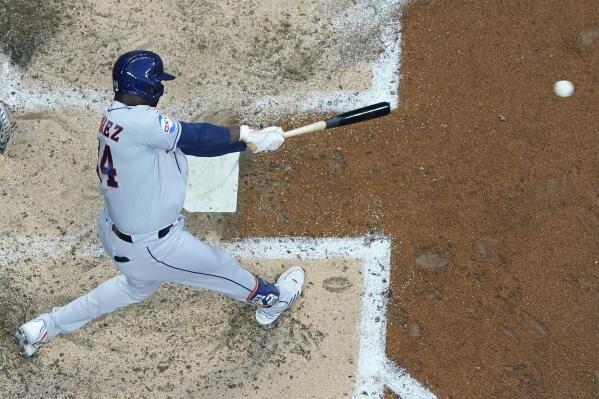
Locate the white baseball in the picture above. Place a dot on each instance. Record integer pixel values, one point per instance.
(563, 88)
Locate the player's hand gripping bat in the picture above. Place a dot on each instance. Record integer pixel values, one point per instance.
(347, 118)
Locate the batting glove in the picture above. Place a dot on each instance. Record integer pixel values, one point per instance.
(268, 139)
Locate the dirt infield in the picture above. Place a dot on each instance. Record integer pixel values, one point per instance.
(484, 181)
(487, 182)
(241, 58)
(184, 342)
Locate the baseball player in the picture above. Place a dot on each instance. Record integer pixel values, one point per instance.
(142, 169)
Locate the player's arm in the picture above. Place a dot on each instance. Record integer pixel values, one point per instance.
(207, 140)
(199, 139)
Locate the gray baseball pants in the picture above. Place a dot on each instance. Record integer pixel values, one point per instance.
(144, 264)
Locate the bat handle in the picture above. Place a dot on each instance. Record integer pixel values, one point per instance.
(314, 127)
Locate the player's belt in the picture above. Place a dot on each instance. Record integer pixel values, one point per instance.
(127, 237)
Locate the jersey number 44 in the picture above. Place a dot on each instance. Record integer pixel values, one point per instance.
(105, 165)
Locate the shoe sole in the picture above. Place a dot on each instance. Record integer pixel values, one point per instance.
(22, 341)
(265, 318)
(28, 347)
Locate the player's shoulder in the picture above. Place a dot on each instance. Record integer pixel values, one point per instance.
(161, 121)
(150, 119)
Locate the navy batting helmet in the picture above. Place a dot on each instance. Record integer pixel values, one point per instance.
(140, 73)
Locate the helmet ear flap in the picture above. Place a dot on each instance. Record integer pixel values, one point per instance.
(160, 88)
(157, 89)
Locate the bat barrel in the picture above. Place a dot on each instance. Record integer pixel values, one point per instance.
(359, 115)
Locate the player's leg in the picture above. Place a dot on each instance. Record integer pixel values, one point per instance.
(119, 291)
(112, 294)
(186, 260)
(115, 293)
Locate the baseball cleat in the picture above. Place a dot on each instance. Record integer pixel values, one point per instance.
(290, 285)
(31, 336)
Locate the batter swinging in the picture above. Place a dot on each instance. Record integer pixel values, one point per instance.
(143, 172)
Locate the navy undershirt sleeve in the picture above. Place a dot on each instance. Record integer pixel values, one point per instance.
(207, 140)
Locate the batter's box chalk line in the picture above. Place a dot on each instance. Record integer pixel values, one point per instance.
(375, 370)
(364, 15)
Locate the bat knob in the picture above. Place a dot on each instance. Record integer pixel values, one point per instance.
(251, 146)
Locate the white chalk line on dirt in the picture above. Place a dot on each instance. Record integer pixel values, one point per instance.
(385, 81)
(15, 93)
(384, 69)
(375, 370)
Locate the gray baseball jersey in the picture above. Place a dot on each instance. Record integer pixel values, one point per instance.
(142, 172)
